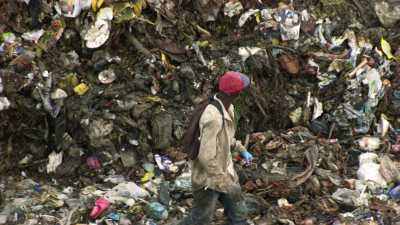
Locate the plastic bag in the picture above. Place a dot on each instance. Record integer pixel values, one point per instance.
(388, 170)
(369, 169)
(346, 196)
(157, 211)
(369, 143)
(290, 22)
(126, 193)
(73, 8)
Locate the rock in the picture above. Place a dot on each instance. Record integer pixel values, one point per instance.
(388, 12)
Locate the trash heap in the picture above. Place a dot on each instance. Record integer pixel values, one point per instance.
(95, 96)
(308, 179)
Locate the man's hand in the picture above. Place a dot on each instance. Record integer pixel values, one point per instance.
(247, 156)
(235, 192)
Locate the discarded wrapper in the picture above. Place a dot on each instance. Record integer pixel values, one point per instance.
(233, 8)
(4, 103)
(55, 159)
(107, 76)
(246, 16)
(164, 163)
(157, 211)
(59, 94)
(101, 205)
(290, 22)
(72, 8)
(93, 163)
(81, 89)
(33, 36)
(369, 143)
(99, 32)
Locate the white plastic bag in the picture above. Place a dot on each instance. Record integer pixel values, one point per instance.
(369, 169)
(127, 193)
(73, 8)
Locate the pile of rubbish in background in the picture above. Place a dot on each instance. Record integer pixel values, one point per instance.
(95, 96)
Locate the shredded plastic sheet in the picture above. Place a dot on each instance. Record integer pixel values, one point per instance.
(55, 159)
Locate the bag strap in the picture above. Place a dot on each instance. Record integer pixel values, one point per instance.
(219, 107)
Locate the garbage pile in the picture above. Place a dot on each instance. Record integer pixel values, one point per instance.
(95, 95)
(308, 178)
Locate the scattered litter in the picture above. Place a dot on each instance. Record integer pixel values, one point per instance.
(107, 76)
(245, 16)
(126, 193)
(369, 143)
(290, 22)
(72, 8)
(81, 89)
(246, 52)
(93, 163)
(369, 169)
(4, 103)
(157, 211)
(99, 32)
(94, 97)
(100, 206)
(33, 36)
(55, 159)
(165, 164)
(233, 8)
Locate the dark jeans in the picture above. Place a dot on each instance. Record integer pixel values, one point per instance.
(204, 206)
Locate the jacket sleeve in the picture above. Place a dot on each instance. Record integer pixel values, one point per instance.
(210, 126)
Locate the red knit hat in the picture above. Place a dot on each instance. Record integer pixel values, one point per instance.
(233, 82)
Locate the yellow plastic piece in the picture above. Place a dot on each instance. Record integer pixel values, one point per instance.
(275, 41)
(96, 4)
(258, 17)
(386, 49)
(203, 44)
(164, 59)
(81, 89)
(147, 176)
(138, 6)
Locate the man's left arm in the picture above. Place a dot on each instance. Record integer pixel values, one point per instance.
(237, 146)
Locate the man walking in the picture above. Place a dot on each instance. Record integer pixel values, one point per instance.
(213, 176)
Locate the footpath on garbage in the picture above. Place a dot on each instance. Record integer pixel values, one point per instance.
(95, 96)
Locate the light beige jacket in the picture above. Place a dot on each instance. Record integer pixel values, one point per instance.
(213, 167)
